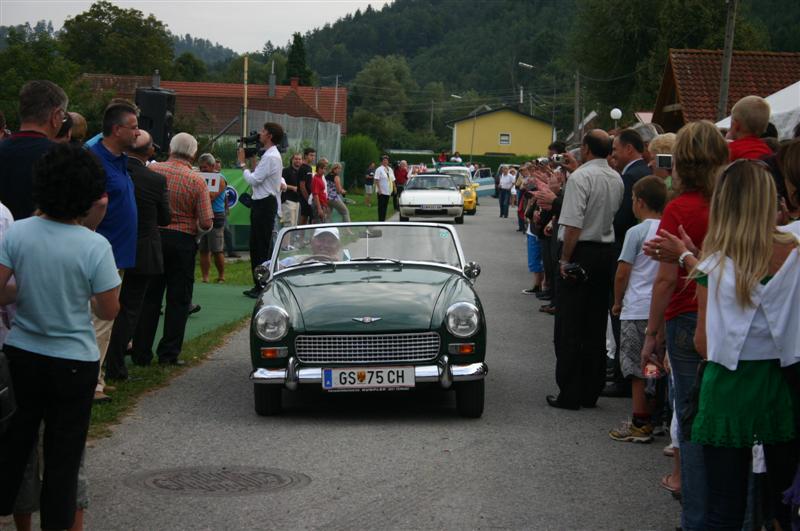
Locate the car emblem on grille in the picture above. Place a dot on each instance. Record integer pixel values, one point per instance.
(367, 319)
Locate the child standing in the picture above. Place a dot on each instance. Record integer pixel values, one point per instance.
(633, 287)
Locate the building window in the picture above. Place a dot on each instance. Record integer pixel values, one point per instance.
(505, 139)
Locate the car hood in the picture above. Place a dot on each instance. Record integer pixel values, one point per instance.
(394, 299)
(430, 197)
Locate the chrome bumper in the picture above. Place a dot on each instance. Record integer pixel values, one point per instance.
(442, 372)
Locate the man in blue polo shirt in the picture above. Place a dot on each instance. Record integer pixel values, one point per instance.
(120, 131)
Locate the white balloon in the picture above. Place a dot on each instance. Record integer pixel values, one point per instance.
(616, 114)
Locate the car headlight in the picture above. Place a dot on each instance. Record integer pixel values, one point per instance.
(272, 323)
(463, 319)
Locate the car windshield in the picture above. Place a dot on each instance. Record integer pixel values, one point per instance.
(332, 244)
(431, 182)
(459, 177)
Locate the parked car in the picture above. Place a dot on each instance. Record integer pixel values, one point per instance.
(368, 306)
(484, 180)
(463, 180)
(431, 195)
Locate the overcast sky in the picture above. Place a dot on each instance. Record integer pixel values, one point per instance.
(243, 25)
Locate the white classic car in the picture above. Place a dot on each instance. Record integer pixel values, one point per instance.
(431, 195)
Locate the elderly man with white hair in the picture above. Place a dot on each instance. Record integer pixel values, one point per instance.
(190, 207)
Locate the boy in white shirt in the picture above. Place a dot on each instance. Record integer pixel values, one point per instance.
(633, 288)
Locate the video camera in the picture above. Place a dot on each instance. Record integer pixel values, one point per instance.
(252, 144)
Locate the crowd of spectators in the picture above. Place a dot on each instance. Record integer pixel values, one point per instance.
(670, 264)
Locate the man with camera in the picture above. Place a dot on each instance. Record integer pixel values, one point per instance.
(265, 180)
(592, 196)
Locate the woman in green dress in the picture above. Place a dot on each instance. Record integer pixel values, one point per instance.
(748, 282)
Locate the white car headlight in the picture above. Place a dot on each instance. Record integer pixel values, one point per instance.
(272, 323)
(463, 319)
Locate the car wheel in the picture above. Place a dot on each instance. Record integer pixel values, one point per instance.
(460, 219)
(403, 218)
(472, 212)
(267, 399)
(469, 398)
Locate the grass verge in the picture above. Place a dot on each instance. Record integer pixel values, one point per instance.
(144, 379)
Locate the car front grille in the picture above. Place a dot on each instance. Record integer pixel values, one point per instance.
(371, 348)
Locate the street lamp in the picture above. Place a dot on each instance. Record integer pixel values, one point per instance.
(616, 114)
(474, 115)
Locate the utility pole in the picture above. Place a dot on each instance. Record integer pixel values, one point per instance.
(553, 122)
(244, 114)
(431, 116)
(577, 117)
(530, 100)
(727, 56)
(336, 98)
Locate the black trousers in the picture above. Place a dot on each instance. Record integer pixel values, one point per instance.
(581, 317)
(60, 392)
(131, 299)
(396, 196)
(262, 221)
(180, 250)
(383, 204)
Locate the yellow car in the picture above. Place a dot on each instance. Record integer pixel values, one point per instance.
(469, 190)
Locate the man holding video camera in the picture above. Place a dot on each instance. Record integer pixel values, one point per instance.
(592, 196)
(265, 180)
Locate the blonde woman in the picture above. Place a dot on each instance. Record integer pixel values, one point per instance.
(748, 285)
(699, 155)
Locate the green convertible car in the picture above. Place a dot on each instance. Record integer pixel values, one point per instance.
(368, 306)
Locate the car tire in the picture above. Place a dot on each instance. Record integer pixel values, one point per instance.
(267, 399)
(460, 219)
(472, 212)
(469, 398)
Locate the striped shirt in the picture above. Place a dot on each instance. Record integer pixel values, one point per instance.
(189, 202)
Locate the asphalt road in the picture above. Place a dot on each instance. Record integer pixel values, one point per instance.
(385, 461)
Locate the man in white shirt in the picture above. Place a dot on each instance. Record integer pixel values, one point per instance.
(265, 181)
(506, 184)
(384, 177)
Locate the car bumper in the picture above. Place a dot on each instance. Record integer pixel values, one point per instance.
(442, 372)
(414, 212)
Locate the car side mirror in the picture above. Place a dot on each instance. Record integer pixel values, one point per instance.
(262, 275)
(472, 270)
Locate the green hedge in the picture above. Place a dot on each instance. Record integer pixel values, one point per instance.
(357, 152)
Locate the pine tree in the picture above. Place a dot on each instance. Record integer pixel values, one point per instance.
(296, 65)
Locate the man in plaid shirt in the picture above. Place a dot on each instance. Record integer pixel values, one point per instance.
(191, 208)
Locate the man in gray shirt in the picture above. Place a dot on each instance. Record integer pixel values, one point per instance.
(592, 196)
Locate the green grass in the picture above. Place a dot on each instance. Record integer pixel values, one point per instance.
(236, 273)
(144, 379)
(360, 212)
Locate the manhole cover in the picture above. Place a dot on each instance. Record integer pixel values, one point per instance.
(217, 481)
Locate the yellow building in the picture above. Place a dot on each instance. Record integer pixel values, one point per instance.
(504, 130)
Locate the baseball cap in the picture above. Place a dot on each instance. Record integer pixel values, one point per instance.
(331, 230)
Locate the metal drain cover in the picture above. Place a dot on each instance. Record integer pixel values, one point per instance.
(217, 481)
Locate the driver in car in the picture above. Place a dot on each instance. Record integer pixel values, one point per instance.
(325, 244)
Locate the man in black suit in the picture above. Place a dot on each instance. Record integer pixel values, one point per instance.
(628, 159)
(152, 203)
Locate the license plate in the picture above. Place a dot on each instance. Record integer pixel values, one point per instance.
(368, 378)
(432, 207)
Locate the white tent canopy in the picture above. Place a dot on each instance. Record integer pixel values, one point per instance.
(785, 107)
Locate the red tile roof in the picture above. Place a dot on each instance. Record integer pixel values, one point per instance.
(222, 101)
(696, 76)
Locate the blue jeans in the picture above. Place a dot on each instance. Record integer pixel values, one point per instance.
(505, 196)
(684, 360)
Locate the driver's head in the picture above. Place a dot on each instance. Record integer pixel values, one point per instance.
(326, 242)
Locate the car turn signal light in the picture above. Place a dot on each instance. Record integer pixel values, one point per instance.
(273, 352)
(463, 349)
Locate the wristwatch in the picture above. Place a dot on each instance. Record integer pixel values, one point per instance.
(682, 258)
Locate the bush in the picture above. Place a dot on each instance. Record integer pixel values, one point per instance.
(357, 152)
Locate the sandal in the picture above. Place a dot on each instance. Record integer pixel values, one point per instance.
(676, 491)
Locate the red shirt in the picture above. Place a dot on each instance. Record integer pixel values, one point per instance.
(689, 209)
(749, 147)
(401, 176)
(319, 189)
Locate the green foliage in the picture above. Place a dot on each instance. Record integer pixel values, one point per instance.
(357, 152)
(296, 64)
(203, 49)
(187, 67)
(110, 39)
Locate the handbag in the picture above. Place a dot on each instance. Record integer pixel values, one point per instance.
(8, 404)
(246, 200)
(693, 404)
